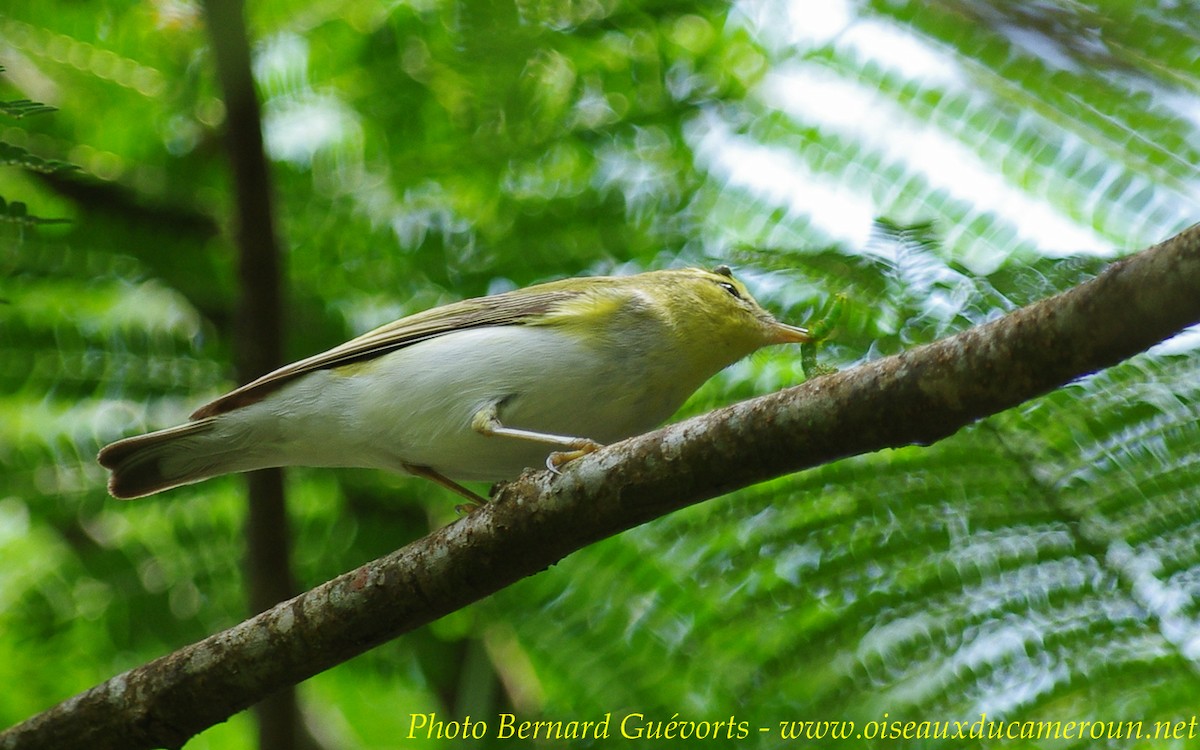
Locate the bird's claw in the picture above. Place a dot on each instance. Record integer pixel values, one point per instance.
(557, 459)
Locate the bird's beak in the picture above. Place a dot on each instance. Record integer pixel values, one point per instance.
(786, 334)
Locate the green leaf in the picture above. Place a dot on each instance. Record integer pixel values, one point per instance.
(17, 156)
(17, 212)
(19, 108)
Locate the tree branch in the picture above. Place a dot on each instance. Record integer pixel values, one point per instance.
(916, 397)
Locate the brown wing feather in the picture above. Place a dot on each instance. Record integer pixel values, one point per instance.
(512, 308)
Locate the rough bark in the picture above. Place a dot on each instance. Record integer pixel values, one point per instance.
(917, 397)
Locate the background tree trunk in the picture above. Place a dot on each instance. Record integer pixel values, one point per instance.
(258, 333)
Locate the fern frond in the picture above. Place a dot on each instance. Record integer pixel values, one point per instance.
(18, 213)
(18, 108)
(16, 156)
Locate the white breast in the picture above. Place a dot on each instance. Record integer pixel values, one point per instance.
(415, 405)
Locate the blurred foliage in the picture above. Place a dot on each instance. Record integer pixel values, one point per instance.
(17, 212)
(938, 163)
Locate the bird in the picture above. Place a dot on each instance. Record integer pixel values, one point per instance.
(475, 390)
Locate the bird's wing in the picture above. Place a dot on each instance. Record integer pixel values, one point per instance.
(513, 308)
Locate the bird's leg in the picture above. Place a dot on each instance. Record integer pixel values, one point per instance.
(487, 422)
(427, 473)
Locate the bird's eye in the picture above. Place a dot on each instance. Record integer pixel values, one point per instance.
(733, 290)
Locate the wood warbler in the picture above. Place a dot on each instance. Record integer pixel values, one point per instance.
(474, 390)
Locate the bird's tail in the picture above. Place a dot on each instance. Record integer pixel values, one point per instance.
(146, 464)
